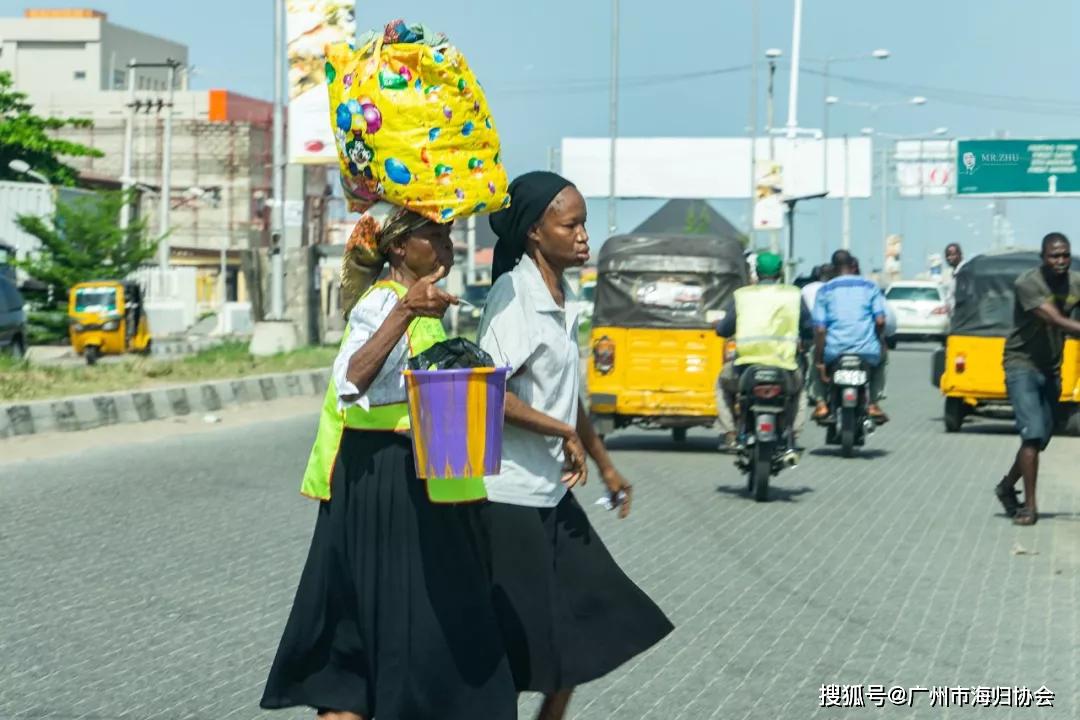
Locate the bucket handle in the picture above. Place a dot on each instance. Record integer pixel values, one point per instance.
(494, 335)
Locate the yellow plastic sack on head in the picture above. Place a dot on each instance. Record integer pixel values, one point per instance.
(413, 128)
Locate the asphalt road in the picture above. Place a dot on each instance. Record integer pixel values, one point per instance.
(152, 580)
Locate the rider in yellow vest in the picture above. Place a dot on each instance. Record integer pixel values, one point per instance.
(367, 634)
(766, 321)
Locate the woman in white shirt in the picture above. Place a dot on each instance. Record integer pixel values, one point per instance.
(393, 617)
(568, 613)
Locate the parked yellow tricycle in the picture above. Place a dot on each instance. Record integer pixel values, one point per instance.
(107, 318)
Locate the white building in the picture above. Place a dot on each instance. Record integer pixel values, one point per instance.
(70, 51)
(73, 63)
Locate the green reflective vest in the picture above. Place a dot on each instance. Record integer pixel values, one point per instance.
(421, 334)
(767, 325)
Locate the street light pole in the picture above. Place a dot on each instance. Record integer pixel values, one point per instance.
(754, 43)
(772, 54)
(878, 54)
(793, 81)
(613, 121)
(789, 265)
(277, 216)
(871, 131)
(846, 231)
(884, 206)
(825, 165)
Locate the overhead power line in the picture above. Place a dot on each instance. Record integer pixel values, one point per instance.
(969, 98)
(952, 96)
(584, 85)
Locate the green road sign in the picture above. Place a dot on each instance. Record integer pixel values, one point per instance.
(1037, 168)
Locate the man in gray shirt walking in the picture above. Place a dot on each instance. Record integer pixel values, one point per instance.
(1045, 298)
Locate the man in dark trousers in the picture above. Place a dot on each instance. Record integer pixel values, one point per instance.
(1045, 297)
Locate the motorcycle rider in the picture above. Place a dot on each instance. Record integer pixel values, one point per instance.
(766, 320)
(822, 274)
(849, 319)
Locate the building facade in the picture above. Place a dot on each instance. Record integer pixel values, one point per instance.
(73, 63)
(66, 51)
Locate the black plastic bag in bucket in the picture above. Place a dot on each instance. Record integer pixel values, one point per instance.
(452, 354)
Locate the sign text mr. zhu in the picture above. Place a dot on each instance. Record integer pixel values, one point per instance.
(1017, 167)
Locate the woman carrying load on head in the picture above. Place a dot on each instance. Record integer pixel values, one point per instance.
(568, 613)
(393, 615)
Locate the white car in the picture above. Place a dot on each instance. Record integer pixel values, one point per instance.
(920, 308)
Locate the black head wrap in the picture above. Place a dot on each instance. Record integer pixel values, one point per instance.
(530, 195)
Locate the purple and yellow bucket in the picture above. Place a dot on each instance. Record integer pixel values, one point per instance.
(457, 425)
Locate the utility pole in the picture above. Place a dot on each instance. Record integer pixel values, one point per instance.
(793, 127)
(226, 243)
(166, 172)
(825, 129)
(754, 42)
(793, 84)
(772, 54)
(126, 178)
(825, 165)
(613, 123)
(277, 218)
(884, 206)
(470, 250)
(846, 232)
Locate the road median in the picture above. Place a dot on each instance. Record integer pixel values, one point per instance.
(85, 412)
(38, 399)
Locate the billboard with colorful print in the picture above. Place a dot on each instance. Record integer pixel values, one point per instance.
(310, 26)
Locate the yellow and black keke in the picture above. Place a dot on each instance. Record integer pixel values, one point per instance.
(655, 356)
(968, 370)
(107, 318)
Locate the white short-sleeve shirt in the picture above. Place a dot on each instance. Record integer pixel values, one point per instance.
(366, 317)
(524, 328)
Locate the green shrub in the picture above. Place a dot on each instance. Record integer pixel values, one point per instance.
(46, 327)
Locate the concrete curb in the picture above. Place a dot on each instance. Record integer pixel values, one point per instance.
(162, 347)
(85, 412)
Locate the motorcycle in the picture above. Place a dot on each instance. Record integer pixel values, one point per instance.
(848, 423)
(763, 450)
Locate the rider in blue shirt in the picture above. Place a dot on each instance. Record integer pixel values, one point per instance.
(849, 319)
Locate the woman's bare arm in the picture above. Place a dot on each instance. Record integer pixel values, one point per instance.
(366, 362)
(526, 417)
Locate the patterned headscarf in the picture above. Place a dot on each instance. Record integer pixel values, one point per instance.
(368, 246)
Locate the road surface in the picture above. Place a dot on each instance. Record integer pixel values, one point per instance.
(152, 579)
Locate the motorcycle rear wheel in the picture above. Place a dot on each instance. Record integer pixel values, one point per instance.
(760, 469)
(847, 432)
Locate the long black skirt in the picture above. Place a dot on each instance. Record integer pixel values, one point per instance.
(393, 617)
(568, 612)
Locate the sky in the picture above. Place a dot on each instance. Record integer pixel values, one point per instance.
(985, 66)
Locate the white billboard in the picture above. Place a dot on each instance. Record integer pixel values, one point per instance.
(768, 195)
(311, 25)
(715, 168)
(925, 167)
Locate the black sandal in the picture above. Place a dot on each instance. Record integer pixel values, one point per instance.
(1009, 497)
(1025, 517)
